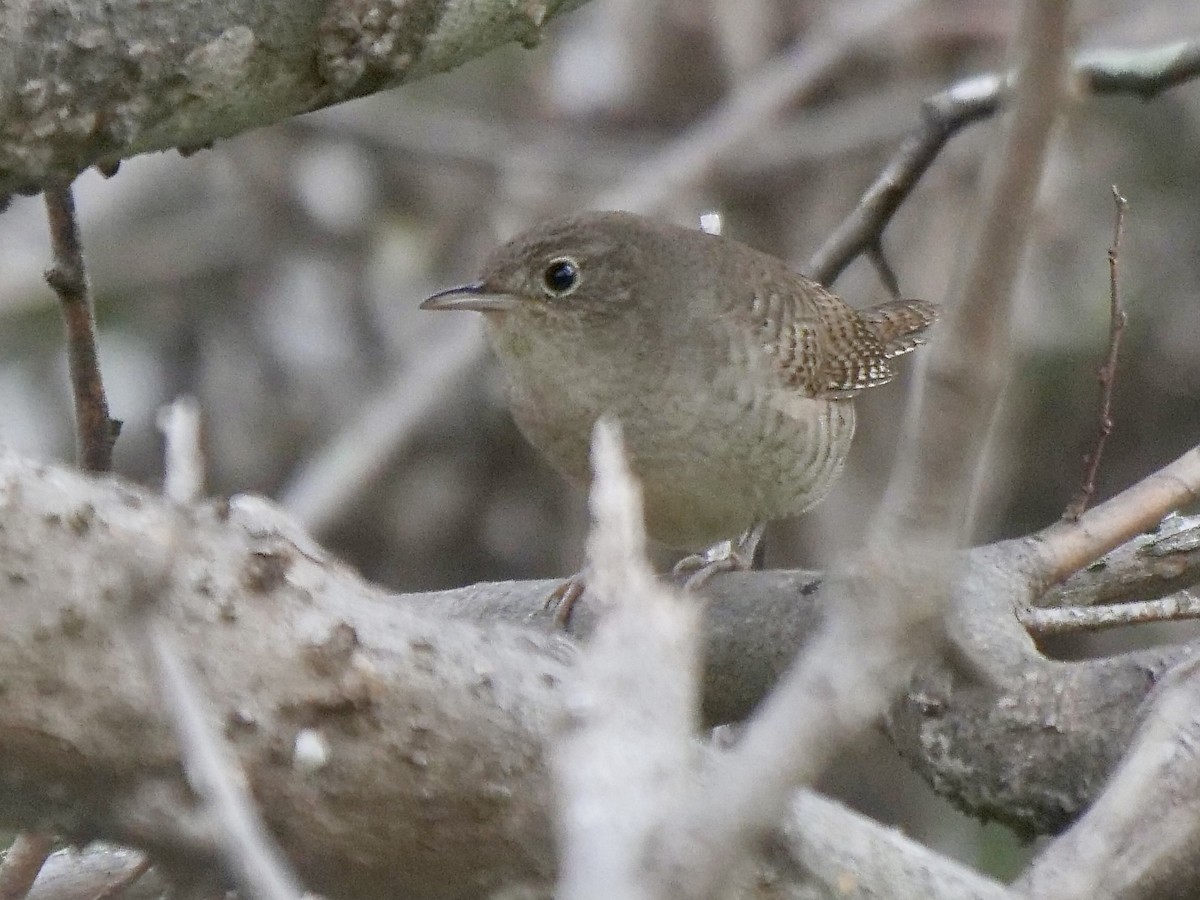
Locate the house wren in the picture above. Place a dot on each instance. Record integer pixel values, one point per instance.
(733, 377)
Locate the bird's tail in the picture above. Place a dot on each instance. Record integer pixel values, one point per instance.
(900, 325)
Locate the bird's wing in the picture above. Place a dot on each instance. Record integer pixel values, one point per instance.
(818, 344)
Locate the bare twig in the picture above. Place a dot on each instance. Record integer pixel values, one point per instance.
(184, 469)
(628, 754)
(1146, 73)
(1107, 374)
(354, 459)
(942, 116)
(1045, 621)
(886, 606)
(24, 859)
(95, 432)
(1066, 547)
(756, 101)
(256, 863)
(884, 268)
(967, 366)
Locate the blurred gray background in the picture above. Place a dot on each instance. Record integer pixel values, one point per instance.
(276, 277)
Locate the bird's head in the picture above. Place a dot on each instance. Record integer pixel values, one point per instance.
(585, 267)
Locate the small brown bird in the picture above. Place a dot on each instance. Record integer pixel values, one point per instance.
(733, 376)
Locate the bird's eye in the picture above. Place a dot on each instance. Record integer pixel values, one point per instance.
(561, 276)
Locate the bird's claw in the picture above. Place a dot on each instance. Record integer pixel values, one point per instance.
(697, 569)
(564, 597)
(724, 556)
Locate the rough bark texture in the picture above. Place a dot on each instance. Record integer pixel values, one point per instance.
(85, 83)
(436, 708)
(429, 723)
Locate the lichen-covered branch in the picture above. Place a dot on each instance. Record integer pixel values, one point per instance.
(85, 83)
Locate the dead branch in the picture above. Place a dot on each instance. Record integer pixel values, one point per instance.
(95, 432)
(1047, 621)
(1107, 374)
(1146, 73)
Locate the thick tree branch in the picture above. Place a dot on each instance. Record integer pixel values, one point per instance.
(851, 856)
(435, 711)
(1146, 567)
(420, 714)
(92, 84)
(1139, 840)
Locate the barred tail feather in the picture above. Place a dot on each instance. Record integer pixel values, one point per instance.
(900, 325)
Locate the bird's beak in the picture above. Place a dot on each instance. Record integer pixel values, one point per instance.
(471, 296)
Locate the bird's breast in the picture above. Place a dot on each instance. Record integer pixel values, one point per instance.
(716, 442)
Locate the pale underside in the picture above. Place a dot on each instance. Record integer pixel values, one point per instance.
(713, 454)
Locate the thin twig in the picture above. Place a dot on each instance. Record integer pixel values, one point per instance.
(1145, 73)
(1073, 619)
(626, 754)
(1062, 549)
(24, 859)
(95, 432)
(758, 100)
(884, 268)
(942, 116)
(1107, 374)
(886, 605)
(183, 481)
(255, 862)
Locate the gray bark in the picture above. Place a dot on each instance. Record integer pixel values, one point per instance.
(437, 709)
(85, 83)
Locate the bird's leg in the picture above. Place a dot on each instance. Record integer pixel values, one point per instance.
(564, 597)
(726, 556)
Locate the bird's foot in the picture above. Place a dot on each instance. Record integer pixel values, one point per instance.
(726, 556)
(564, 597)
